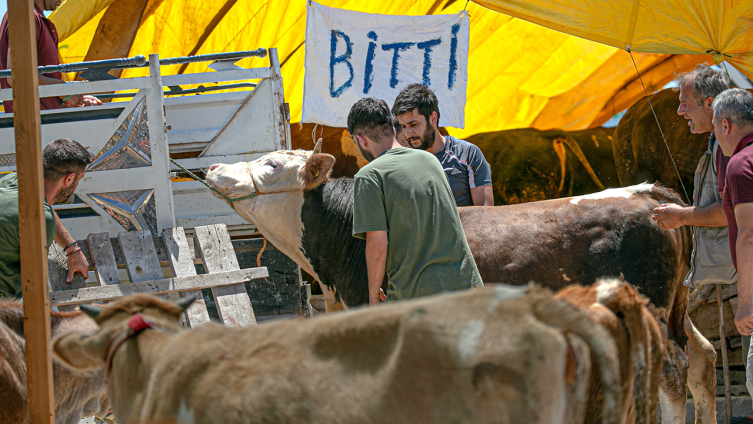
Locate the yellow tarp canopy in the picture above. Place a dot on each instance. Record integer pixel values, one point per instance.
(721, 27)
(519, 74)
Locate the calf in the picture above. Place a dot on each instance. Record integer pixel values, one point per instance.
(77, 394)
(503, 355)
(630, 321)
(555, 242)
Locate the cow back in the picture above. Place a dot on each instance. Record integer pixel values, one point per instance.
(557, 243)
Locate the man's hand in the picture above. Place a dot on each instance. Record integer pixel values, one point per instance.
(75, 100)
(92, 101)
(744, 319)
(670, 216)
(77, 263)
(78, 100)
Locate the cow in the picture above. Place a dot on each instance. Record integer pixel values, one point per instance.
(76, 394)
(640, 153)
(530, 165)
(527, 164)
(503, 355)
(632, 324)
(555, 242)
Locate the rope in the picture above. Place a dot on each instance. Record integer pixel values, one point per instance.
(677, 171)
(201, 180)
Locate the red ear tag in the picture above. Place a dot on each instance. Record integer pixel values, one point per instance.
(137, 324)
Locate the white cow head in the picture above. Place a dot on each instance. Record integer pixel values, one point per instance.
(278, 172)
(279, 179)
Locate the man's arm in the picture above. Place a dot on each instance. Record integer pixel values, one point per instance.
(73, 101)
(673, 216)
(76, 262)
(376, 262)
(482, 196)
(744, 247)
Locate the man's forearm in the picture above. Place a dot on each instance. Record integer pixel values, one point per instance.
(63, 238)
(744, 253)
(482, 196)
(706, 216)
(376, 262)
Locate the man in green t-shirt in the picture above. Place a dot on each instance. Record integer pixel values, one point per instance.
(405, 210)
(65, 162)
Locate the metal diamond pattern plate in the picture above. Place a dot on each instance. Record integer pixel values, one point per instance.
(134, 209)
(129, 146)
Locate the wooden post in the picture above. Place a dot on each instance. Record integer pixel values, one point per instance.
(725, 357)
(26, 122)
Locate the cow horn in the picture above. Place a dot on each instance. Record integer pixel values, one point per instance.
(317, 148)
(185, 302)
(91, 310)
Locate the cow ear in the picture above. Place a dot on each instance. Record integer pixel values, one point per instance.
(316, 170)
(317, 148)
(79, 351)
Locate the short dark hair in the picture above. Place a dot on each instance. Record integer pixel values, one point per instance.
(396, 125)
(64, 156)
(416, 96)
(371, 118)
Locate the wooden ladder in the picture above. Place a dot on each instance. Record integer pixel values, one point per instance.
(139, 252)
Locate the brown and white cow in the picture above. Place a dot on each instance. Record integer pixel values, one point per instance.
(556, 243)
(493, 355)
(631, 322)
(77, 394)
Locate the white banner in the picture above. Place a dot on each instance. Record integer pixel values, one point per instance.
(351, 55)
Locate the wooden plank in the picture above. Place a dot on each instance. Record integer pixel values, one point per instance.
(217, 254)
(100, 251)
(116, 31)
(140, 257)
(181, 262)
(161, 286)
(31, 220)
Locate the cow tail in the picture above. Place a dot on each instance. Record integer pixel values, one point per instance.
(646, 351)
(676, 317)
(560, 314)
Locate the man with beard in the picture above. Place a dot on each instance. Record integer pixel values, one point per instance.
(469, 174)
(403, 207)
(65, 162)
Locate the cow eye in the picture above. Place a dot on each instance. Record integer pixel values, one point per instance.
(272, 163)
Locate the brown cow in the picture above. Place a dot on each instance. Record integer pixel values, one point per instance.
(502, 355)
(641, 155)
(77, 394)
(556, 242)
(625, 314)
(527, 164)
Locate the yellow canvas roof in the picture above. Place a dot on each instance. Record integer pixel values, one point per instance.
(519, 74)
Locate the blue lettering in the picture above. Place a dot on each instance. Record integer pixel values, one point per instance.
(453, 56)
(426, 46)
(397, 47)
(368, 73)
(334, 60)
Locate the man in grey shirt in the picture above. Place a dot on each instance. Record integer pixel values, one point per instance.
(468, 172)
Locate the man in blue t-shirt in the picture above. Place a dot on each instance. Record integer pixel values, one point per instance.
(468, 172)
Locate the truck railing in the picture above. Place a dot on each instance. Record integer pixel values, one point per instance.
(131, 185)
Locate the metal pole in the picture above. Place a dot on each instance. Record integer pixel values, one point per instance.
(33, 240)
(725, 357)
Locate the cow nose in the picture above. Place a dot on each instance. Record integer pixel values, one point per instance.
(213, 167)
